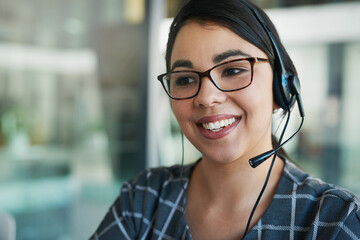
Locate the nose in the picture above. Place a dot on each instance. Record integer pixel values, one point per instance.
(209, 95)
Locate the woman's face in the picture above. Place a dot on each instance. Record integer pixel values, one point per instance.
(247, 112)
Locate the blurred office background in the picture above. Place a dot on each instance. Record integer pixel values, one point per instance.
(81, 110)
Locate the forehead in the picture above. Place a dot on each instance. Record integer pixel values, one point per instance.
(202, 42)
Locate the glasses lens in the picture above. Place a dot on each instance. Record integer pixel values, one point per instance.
(233, 75)
(181, 84)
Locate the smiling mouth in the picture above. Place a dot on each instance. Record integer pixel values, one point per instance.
(218, 125)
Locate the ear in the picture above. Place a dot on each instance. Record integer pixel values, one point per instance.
(275, 106)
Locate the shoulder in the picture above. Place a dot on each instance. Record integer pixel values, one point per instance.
(156, 184)
(316, 188)
(143, 206)
(322, 204)
(157, 178)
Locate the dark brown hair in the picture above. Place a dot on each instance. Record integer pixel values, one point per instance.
(234, 15)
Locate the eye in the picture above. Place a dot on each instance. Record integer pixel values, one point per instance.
(182, 81)
(228, 72)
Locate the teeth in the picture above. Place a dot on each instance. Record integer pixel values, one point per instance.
(218, 125)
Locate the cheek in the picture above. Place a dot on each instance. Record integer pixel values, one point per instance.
(181, 110)
(260, 96)
(257, 103)
(262, 91)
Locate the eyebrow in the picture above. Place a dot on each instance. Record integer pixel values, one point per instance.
(217, 59)
(231, 53)
(182, 63)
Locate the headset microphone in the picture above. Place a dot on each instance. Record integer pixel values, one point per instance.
(256, 161)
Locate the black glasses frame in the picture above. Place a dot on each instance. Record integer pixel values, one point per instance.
(251, 60)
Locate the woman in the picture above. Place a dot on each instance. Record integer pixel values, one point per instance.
(221, 65)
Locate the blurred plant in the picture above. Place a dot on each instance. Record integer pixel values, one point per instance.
(14, 121)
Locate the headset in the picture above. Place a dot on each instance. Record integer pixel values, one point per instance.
(286, 87)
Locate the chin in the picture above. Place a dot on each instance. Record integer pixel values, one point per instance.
(222, 158)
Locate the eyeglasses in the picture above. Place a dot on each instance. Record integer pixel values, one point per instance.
(227, 76)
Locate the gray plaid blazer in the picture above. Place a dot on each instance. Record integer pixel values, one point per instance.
(151, 206)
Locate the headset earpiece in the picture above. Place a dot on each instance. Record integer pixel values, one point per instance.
(284, 89)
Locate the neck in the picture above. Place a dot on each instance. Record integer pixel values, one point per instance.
(235, 183)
